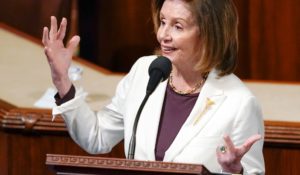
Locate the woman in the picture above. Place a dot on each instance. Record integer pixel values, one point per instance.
(186, 119)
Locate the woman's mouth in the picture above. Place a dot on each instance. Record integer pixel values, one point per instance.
(166, 49)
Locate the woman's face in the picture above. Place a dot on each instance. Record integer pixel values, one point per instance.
(178, 33)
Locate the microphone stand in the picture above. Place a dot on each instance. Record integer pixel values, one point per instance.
(159, 70)
(131, 149)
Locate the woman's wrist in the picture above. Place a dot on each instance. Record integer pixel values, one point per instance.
(63, 86)
(233, 168)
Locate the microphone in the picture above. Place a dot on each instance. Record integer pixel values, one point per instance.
(159, 70)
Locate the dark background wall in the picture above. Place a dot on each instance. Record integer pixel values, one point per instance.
(30, 16)
(115, 33)
(269, 39)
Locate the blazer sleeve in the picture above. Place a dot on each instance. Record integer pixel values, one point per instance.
(96, 132)
(249, 121)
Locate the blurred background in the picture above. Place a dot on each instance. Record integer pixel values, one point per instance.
(115, 33)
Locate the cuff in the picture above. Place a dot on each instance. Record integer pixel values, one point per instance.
(69, 96)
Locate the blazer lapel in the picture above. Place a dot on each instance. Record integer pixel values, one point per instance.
(206, 105)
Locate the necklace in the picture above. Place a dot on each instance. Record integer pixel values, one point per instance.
(197, 86)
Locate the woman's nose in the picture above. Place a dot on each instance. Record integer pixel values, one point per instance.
(164, 34)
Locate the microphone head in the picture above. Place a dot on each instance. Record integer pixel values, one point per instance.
(159, 70)
(162, 64)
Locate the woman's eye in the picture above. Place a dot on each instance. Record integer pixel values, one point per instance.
(178, 27)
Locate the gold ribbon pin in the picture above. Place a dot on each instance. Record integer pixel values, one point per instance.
(208, 104)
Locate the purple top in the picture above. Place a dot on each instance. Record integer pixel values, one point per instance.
(175, 111)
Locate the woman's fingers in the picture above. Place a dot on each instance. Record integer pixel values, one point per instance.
(54, 34)
(249, 142)
(62, 29)
(229, 144)
(240, 150)
(53, 29)
(45, 38)
(73, 43)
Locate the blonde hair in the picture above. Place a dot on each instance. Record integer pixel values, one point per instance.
(218, 24)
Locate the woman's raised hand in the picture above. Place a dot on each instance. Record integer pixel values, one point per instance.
(229, 156)
(58, 55)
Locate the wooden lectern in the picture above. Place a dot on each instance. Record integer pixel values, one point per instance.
(86, 165)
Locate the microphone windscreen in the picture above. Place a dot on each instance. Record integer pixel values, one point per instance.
(159, 70)
(162, 64)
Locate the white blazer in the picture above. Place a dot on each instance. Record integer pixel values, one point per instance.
(234, 111)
